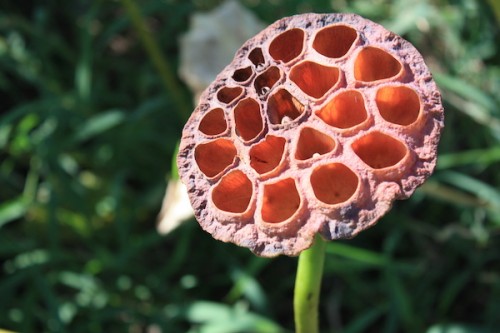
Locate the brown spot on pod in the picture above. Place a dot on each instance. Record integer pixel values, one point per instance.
(334, 183)
(334, 41)
(314, 79)
(267, 155)
(215, 156)
(247, 119)
(213, 123)
(373, 64)
(233, 193)
(345, 110)
(287, 45)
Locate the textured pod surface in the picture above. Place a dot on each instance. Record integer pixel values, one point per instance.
(320, 122)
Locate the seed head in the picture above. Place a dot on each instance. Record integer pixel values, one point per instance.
(320, 122)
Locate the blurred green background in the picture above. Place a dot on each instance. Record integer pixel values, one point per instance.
(87, 135)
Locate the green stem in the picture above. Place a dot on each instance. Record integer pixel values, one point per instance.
(164, 69)
(308, 286)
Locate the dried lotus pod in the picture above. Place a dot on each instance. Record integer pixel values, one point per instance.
(320, 122)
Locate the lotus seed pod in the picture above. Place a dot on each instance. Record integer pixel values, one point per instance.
(320, 122)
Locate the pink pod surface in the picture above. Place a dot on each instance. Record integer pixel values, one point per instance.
(319, 123)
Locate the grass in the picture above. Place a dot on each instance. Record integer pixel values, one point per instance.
(87, 134)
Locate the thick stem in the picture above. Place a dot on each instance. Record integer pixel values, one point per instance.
(308, 286)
